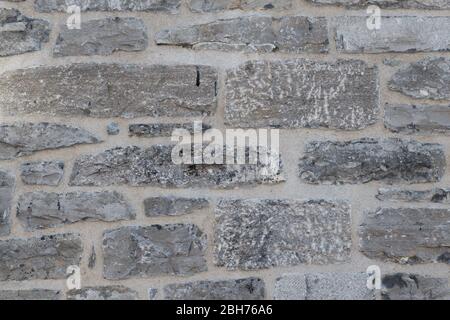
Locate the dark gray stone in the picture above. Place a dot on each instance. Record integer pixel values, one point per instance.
(34, 294)
(113, 129)
(389, 4)
(437, 195)
(218, 5)
(110, 90)
(302, 93)
(45, 257)
(152, 130)
(402, 286)
(406, 235)
(361, 161)
(92, 258)
(255, 234)
(41, 210)
(7, 183)
(48, 173)
(173, 206)
(239, 289)
(103, 293)
(156, 250)
(152, 293)
(169, 6)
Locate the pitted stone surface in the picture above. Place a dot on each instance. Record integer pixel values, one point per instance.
(48, 173)
(218, 5)
(170, 6)
(103, 293)
(401, 286)
(34, 294)
(152, 130)
(437, 195)
(389, 4)
(7, 183)
(255, 234)
(302, 93)
(173, 206)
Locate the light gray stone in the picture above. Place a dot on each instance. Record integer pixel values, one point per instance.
(360, 161)
(7, 183)
(437, 195)
(401, 286)
(302, 93)
(173, 206)
(238, 289)
(48, 173)
(110, 90)
(396, 34)
(156, 250)
(41, 210)
(20, 34)
(102, 37)
(103, 293)
(255, 234)
(406, 235)
(152, 130)
(257, 33)
(22, 139)
(169, 6)
(426, 79)
(33, 294)
(45, 257)
(218, 5)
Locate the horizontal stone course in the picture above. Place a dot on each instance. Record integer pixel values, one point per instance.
(403, 286)
(33, 294)
(388, 4)
(219, 5)
(7, 186)
(153, 130)
(436, 195)
(48, 173)
(173, 206)
(116, 292)
(169, 6)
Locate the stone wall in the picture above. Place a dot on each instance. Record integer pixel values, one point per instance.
(86, 176)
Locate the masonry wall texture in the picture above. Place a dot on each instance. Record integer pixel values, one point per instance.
(87, 178)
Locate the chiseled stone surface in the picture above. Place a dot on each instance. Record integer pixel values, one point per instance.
(437, 195)
(428, 78)
(152, 130)
(255, 234)
(7, 183)
(102, 37)
(45, 257)
(116, 292)
(169, 6)
(173, 206)
(40, 210)
(154, 167)
(302, 93)
(48, 173)
(257, 33)
(218, 5)
(397, 34)
(402, 286)
(236, 289)
(22, 139)
(20, 34)
(364, 160)
(33, 294)
(110, 90)
(156, 250)
(406, 235)
(389, 4)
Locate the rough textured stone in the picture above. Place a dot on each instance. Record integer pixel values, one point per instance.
(110, 90)
(154, 166)
(407, 235)
(152, 130)
(45, 257)
(102, 37)
(437, 195)
(397, 34)
(113, 129)
(389, 4)
(48, 173)
(361, 161)
(22, 139)
(255, 234)
(239, 289)
(20, 34)
(323, 286)
(6, 194)
(170, 6)
(218, 5)
(152, 293)
(426, 79)
(103, 293)
(173, 206)
(40, 210)
(256, 33)
(34, 294)
(173, 249)
(414, 119)
(302, 93)
(401, 286)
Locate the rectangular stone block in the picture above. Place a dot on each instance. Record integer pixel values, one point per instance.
(302, 94)
(255, 234)
(7, 183)
(403, 286)
(437, 195)
(34, 294)
(389, 4)
(103, 293)
(110, 90)
(219, 5)
(48, 173)
(173, 206)
(169, 6)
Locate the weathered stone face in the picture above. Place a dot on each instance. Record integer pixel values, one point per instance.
(20, 34)
(426, 79)
(22, 139)
(361, 161)
(256, 33)
(102, 37)
(173, 249)
(40, 210)
(45, 257)
(256, 234)
(218, 5)
(154, 167)
(406, 235)
(438, 195)
(34, 294)
(323, 286)
(6, 194)
(170, 6)
(397, 34)
(152, 130)
(302, 93)
(239, 289)
(48, 173)
(173, 206)
(110, 90)
(401, 286)
(389, 4)
(103, 293)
